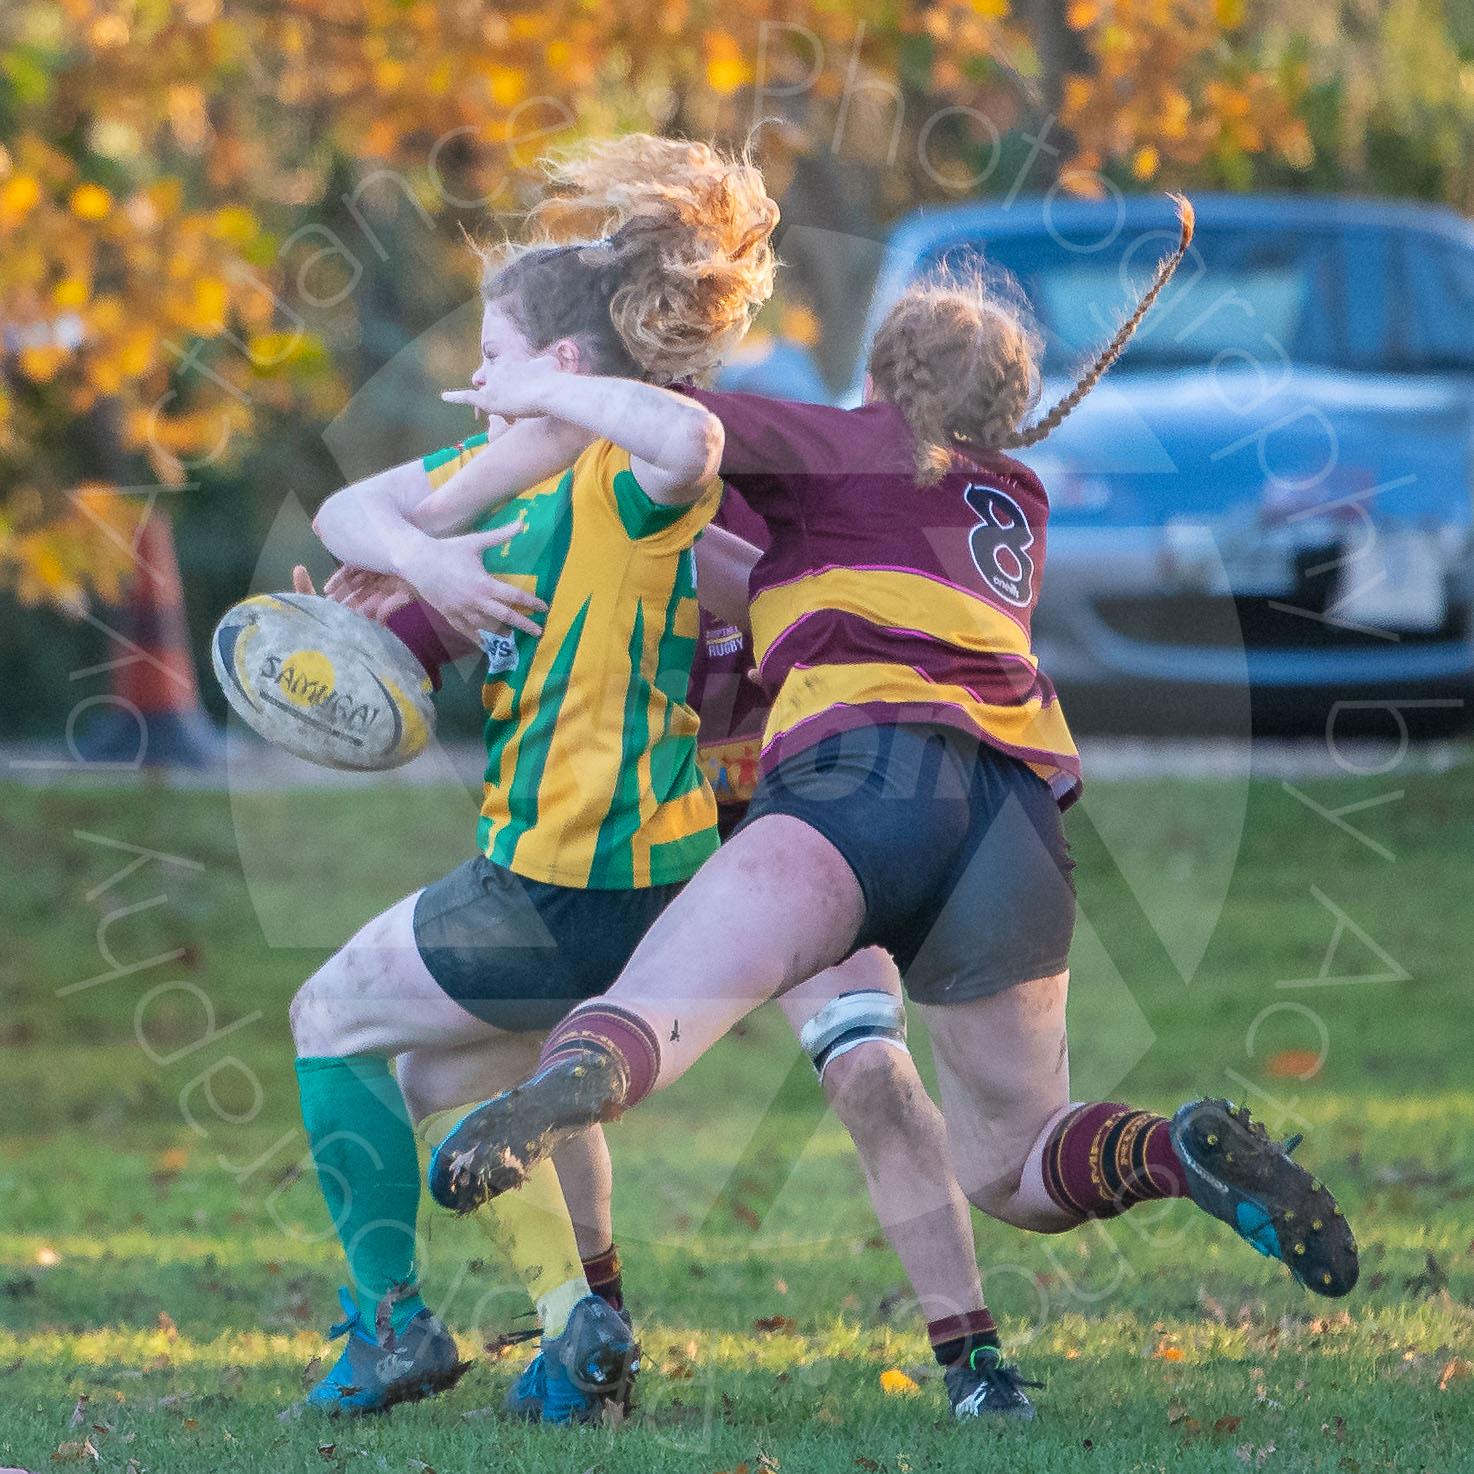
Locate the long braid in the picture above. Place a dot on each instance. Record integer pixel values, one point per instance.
(1112, 350)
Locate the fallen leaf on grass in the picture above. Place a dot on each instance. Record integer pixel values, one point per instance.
(79, 1413)
(1227, 1425)
(167, 1326)
(76, 1453)
(1176, 1412)
(309, 1374)
(766, 1463)
(1455, 1371)
(895, 1381)
(1335, 1429)
(327, 1450)
(1293, 1064)
(1168, 1353)
(420, 1466)
(868, 1464)
(774, 1323)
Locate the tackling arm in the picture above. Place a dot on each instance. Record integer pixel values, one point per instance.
(675, 444)
(723, 563)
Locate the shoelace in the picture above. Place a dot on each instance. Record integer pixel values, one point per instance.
(995, 1372)
(503, 1339)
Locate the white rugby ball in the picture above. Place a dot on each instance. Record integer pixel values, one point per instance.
(323, 682)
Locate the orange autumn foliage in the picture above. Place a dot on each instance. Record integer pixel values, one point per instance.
(163, 164)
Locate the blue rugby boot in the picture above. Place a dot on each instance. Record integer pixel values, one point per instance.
(576, 1375)
(371, 1378)
(1239, 1175)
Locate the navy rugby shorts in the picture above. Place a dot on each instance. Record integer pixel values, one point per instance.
(958, 849)
(519, 953)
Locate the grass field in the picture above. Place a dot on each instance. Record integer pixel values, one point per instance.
(166, 1281)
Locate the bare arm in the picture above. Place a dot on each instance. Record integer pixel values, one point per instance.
(384, 523)
(484, 484)
(675, 444)
(723, 563)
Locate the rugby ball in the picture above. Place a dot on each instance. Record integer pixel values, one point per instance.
(323, 682)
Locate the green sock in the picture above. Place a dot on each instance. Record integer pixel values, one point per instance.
(367, 1166)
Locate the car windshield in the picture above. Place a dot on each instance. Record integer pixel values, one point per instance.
(1363, 297)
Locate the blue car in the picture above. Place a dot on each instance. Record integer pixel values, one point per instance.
(1267, 502)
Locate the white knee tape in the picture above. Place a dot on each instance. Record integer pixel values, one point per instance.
(852, 1019)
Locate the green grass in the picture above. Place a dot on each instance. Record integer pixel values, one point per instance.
(177, 1275)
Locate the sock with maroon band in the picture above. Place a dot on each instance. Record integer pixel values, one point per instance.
(1104, 1158)
(605, 1276)
(954, 1338)
(625, 1037)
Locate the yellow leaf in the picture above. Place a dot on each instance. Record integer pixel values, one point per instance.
(896, 1382)
(19, 195)
(1229, 14)
(726, 67)
(72, 292)
(1144, 163)
(236, 224)
(1082, 13)
(210, 299)
(993, 9)
(108, 31)
(41, 365)
(91, 202)
(507, 85)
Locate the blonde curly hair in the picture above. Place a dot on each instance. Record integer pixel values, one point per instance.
(961, 362)
(669, 261)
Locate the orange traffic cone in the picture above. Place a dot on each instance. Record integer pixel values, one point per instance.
(155, 717)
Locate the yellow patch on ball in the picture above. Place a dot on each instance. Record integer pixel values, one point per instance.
(306, 678)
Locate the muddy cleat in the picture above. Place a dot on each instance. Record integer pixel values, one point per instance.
(575, 1376)
(371, 1378)
(1236, 1173)
(492, 1150)
(982, 1387)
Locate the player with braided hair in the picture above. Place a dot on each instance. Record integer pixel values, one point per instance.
(914, 765)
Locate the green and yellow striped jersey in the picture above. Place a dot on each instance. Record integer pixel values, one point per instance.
(592, 779)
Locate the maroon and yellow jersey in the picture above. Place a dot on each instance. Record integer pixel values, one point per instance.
(883, 601)
(732, 707)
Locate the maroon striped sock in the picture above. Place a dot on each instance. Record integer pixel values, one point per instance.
(1104, 1158)
(955, 1337)
(605, 1276)
(622, 1035)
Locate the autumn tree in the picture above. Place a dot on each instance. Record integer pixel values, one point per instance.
(171, 172)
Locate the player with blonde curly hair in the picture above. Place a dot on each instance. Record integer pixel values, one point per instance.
(596, 811)
(914, 766)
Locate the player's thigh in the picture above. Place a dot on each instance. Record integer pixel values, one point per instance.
(1003, 1072)
(376, 996)
(774, 905)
